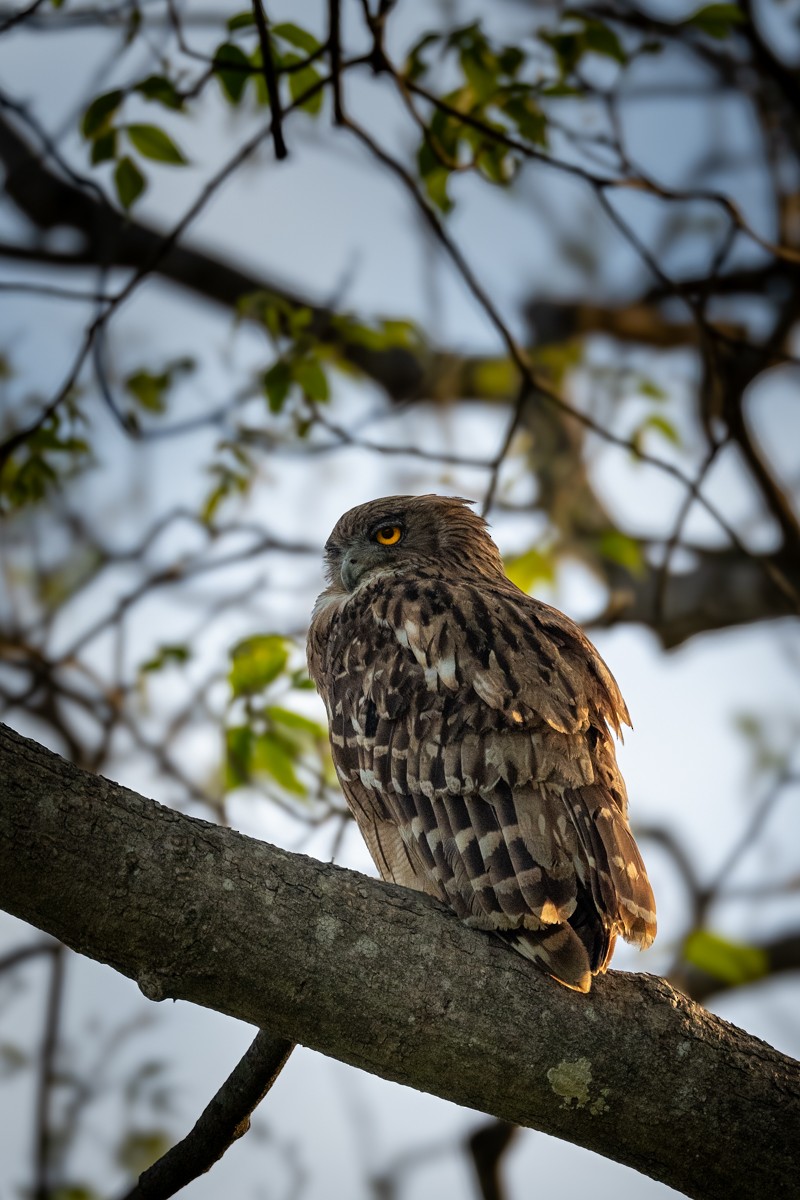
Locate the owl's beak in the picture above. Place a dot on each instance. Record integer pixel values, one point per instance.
(351, 570)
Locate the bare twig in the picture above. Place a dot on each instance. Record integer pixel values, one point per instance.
(18, 17)
(486, 1147)
(25, 953)
(270, 79)
(335, 49)
(502, 454)
(47, 1069)
(225, 1118)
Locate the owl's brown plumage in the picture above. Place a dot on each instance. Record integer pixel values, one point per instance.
(469, 725)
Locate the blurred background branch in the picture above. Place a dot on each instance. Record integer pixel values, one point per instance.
(545, 258)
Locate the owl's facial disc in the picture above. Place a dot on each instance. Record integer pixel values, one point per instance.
(371, 550)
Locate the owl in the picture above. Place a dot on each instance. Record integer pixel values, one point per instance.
(470, 727)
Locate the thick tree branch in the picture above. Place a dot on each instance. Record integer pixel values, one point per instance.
(387, 980)
(723, 589)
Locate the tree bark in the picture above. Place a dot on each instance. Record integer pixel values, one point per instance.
(389, 981)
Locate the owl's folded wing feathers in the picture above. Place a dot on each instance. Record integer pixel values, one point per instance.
(477, 759)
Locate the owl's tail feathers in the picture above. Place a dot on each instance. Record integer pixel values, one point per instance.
(558, 951)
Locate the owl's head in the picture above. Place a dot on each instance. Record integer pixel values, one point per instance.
(401, 533)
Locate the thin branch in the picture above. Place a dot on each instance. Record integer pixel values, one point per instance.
(502, 454)
(641, 182)
(486, 1147)
(335, 46)
(225, 1119)
(15, 957)
(537, 385)
(58, 293)
(785, 778)
(23, 15)
(270, 79)
(46, 1077)
(163, 248)
(675, 537)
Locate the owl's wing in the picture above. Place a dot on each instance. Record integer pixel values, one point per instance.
(476, 723)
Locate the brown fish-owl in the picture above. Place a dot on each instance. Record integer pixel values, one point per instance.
(469, 725)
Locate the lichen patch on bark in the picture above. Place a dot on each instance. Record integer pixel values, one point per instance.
(572, 1080)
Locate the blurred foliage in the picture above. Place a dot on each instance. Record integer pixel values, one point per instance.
(268, 743)
(481, 105)
(50, 454)
(733, 963)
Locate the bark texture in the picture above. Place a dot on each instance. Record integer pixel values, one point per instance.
(388, 980)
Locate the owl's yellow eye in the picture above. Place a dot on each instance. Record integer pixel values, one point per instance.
(388, 535)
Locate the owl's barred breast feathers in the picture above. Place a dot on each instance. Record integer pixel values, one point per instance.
(469, 727)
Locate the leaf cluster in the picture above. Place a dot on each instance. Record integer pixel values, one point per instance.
(274, 745)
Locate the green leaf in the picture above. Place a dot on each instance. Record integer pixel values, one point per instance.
(241, 20)
(734, 963)
(140, 1148)
(28, 475)
(530, 120)
(528, 569)
(622, 549)
(661, 425)
(602, 39)
(296, 36)
(276, 383)
(312, 379)
(567, 47)
(435, 178)
(153, 142)
(415, 65)
(238, 756)
(259, 81)
(275, 758)
(511, 59)
(480, 72)
(495, 163)
(129, 182)
(495, 377)
(233, 69)
(296, 722)
(98, 115)
(149, 390)
(256, 662)
(648, 387)
(664, 427)
(104, 147)
(161, 90)
(401, 333)
(168, 653)
(301, 82)
(12, 1059)
(716, 20)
